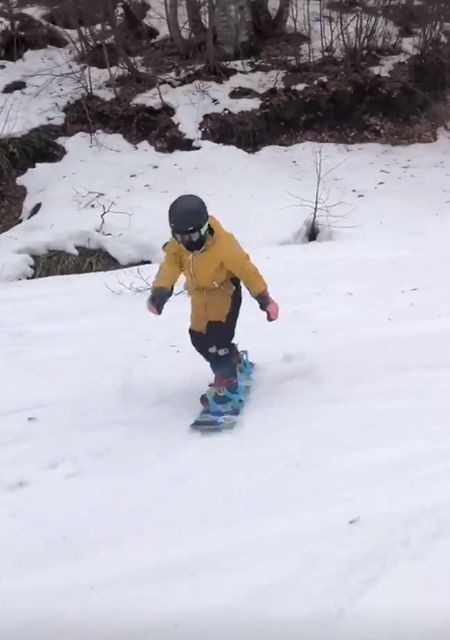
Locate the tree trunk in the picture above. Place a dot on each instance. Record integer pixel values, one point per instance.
(407, 11)
(262, 19)
(282, 16)
(210, 49)
(233, 26)
(196, 25)
(173, 24)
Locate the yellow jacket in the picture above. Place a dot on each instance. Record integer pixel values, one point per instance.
(208, 275)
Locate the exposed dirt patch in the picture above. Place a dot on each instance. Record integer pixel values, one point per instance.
(28, 34)
(345, 107)
(128, 86)
(17, 155)
(137, 123)
(331, 68)
(20, 154)
(240, 93)
(219, 73)
(16, 85)
(12, 197)
(309, 72)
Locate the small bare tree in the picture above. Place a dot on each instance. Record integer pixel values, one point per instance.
(320, 221)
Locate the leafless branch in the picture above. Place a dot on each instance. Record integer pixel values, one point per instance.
(320, 220)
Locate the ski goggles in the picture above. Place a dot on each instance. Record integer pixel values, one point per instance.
(191, 236)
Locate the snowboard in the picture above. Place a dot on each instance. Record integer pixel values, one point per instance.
(205, 422)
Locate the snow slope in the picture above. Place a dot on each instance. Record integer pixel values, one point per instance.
(327, 512)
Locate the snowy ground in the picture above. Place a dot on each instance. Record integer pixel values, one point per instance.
(326, 514)
(260, 197)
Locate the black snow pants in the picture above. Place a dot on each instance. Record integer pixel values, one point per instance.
(216, 344)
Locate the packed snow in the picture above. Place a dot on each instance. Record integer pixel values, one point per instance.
(326, 512)
(328, 506)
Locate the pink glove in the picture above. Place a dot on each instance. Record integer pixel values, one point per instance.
(272, 311)
(151, 307)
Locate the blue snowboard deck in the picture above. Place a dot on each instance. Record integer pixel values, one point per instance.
(206, 422)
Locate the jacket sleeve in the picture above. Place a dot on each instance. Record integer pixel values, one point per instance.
(238, 262)
(168, 273)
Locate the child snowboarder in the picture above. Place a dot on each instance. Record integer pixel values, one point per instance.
(214, 265)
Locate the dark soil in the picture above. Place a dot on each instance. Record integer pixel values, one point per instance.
(27, 34)
(16, 85)
(351, 106)
(17, 155)
(219, 73)
(12, 197)
(137, 123)
(331, 67)
(240, 93)
(128, 86)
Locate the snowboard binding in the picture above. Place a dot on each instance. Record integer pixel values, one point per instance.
(245, 368)
(220, 400)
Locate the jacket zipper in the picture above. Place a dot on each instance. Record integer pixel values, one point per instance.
(191, 266)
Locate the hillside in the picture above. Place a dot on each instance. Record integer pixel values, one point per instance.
(325, 514)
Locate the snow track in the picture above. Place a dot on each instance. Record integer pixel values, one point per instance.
(116, 521)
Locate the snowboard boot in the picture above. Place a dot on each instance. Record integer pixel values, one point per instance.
(225, 396)
(226, 393)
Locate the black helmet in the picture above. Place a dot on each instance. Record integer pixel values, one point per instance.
(187, 213)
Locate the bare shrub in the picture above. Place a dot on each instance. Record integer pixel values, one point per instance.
(352, 33)
(431, 34)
